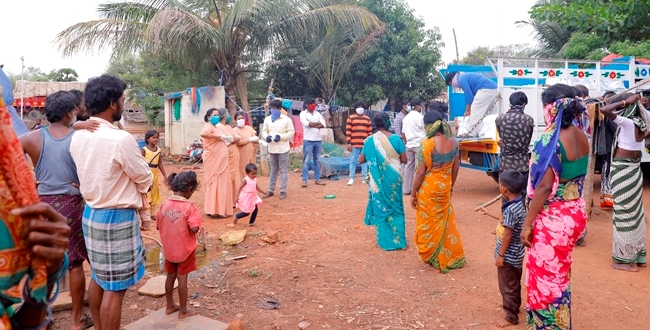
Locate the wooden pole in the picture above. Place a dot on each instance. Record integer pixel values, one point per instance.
(490, 202)
(588, 189)
(456, 44)
(264, 150)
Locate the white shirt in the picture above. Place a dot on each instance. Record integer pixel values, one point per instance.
(626, 138)
(311, 133)
(413, 129)
(112, 172)
(283, 126)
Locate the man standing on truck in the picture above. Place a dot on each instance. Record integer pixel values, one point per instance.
(480, 96)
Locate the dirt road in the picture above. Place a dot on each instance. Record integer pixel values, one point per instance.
(327, 269)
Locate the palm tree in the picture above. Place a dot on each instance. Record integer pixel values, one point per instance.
(327, 57)
(218, 31)
(550, 36)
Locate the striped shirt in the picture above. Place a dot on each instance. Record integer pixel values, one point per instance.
(358, 128)
(514, 215)
(397, 125)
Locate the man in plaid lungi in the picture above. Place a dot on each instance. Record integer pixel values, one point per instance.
(113, 176)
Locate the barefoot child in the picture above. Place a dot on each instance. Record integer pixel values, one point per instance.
(152, 155)
(248, 199)
(509, 252)
(178, 221)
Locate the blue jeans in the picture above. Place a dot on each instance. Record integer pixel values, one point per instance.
(354, 161)
(311, 149)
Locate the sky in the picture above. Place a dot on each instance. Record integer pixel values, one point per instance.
(30, 28)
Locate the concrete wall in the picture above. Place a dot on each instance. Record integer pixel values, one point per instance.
(182, 131)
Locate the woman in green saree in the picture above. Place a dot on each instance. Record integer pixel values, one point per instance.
(385, 152)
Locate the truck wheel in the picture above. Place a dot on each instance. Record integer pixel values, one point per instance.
(494, 175)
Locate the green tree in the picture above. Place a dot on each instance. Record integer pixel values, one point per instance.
(65, 74)
(627, 48)
(612, 20)
(551, 35)
(289, 74)
(219, 31)
(149, 76)
(327, 56)
(583, 46)
(479, 55)
(401, 64)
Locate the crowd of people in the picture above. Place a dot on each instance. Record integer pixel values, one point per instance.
(97, 210)
(543, 205)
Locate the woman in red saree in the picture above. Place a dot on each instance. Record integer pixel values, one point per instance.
(556, 217)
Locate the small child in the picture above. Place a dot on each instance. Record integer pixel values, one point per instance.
(152, 155)
(178, 221)
(509, 251)
(248, 199)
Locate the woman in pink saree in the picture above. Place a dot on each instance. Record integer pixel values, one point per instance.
(556, 217)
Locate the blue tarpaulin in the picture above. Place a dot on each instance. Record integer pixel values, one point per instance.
(8, 96)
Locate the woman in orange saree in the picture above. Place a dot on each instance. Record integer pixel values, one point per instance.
(436, 235)
(218, 189)
(233, 156)
(247, 144)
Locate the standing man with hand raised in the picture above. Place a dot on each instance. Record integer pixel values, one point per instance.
(113, 176)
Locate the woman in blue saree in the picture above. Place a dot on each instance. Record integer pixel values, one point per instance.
(385, 152)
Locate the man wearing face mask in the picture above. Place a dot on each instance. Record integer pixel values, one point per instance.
(413, 130)
(358, 128)
(48, 149)
(312, 121)
(277, 132)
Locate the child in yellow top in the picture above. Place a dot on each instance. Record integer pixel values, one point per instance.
(152, 155)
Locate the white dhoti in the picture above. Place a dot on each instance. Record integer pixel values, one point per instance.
(483, 103)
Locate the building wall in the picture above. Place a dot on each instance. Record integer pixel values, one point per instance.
(180, 132)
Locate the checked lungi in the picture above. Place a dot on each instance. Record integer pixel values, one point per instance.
(72, 208)
(115, 250)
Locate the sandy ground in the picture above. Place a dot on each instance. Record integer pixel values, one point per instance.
(327, 269)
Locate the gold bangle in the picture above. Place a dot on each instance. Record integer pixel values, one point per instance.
(624, 104)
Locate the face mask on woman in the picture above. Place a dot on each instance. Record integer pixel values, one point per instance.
(228, 119)
(215, 120)
(360, 111)
(241, 122)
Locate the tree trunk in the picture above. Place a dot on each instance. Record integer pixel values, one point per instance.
(338, 129)
(588, 189)
(241, 85)
(230, 105)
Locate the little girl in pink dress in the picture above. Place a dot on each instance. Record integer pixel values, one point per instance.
(248, 199)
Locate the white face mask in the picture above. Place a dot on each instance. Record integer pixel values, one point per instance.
(360, 111)
(408, 108)
(241, 122)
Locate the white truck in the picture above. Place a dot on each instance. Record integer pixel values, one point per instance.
(532, 76)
